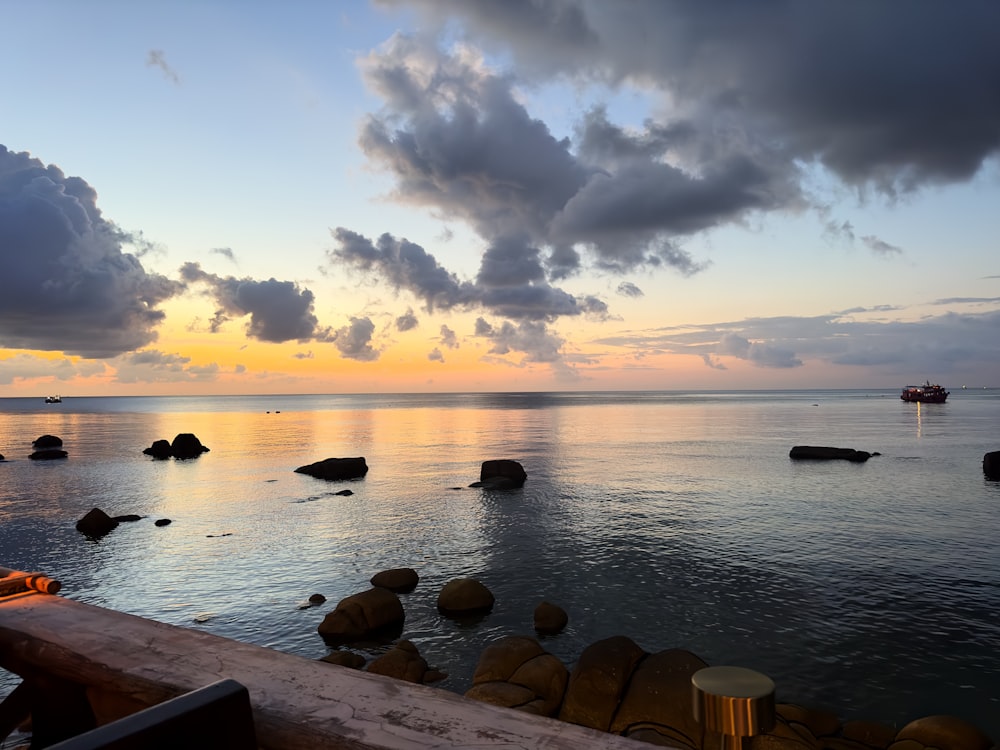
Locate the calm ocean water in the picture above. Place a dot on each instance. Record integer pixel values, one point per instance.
(676, 519)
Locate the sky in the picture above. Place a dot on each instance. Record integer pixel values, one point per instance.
(497, 195)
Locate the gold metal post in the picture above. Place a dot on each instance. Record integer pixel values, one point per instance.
(734, 701)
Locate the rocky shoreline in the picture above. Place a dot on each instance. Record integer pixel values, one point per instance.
(614, 686)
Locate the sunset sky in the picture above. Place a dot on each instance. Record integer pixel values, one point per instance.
(444, 195)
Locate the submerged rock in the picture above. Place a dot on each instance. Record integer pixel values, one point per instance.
(823, 453)
(550, 619)
(464, 596)
(336, 468)
(400, 580)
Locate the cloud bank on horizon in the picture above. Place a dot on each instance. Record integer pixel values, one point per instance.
(747, 101)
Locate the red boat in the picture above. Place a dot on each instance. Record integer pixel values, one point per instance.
(924, 394)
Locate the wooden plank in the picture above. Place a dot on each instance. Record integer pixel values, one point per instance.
(298, 703)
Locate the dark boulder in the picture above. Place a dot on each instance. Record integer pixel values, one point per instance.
(400, 580)
(402, 662)
(501, 474)
(128, 518)
(822, 453)
(46, 448)
(336, 468)
(361, 616)
(1, 457)
(162, 522)
(159, 449)
(515, 672)
(550, 619)
(464, 596)
(186, 445)
(991, 465)
(96, 523)
(598, 682)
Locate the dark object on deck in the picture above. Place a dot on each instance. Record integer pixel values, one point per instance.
(991, 465)
(501, 474)
(819, 453)
(336, 468)
(215, 717)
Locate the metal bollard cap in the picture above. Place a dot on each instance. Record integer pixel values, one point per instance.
(733, 700)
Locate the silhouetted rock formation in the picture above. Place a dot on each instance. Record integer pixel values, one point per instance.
(991, 465)
(819, 453)
(336, 468)
(185, 445)
(96, 523)
(501, 474)
(47, 447)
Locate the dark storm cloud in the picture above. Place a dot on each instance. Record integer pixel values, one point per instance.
(448, 338)
(880, 95)
(628, 289)
(66, 283)
(458, 141)
(407, 321)
(279, 310)
(533, 339)
(509, 284)
(405, 266)
(746, 100)
(353, 341)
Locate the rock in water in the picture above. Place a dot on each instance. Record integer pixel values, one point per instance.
(501, 474)
(336, 468)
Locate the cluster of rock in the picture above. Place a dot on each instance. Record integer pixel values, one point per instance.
(185, 445)
(614, 686)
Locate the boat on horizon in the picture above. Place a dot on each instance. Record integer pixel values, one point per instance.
(53, 399)
(924, 394)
